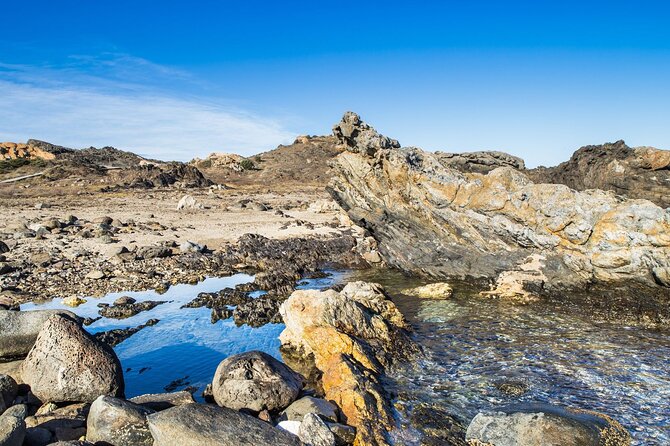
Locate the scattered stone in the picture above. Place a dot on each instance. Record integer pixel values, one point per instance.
(68, 364)
(162, 401)
(255, 381)
(314, 432)
(153, 252)
(73, 301)
(95, 275)
(439, 290)
(199, 424)
(124, 311)
(124, 300)
(188, 202)
(118, 422)
(117, 335)
(20, 329)
(541, 424)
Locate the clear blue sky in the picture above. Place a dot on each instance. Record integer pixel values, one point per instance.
(177, 79)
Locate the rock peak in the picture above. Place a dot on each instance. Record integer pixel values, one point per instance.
(357, 136)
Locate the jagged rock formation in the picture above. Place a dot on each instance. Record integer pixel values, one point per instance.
(642, 172)
(12, 151)
(480, 162)
(434, 220)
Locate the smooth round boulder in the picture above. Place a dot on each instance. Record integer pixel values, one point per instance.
(200, 424)
(20, 328)
(118, 422)
(255, 381)
(68, 364)
(545, 425)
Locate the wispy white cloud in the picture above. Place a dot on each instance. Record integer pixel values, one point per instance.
(127, 103)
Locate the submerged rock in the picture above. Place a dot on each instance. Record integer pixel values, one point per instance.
(199, 424)
(545, 425)
(68, 364)
(123, 311)
(117, 335)
(255, 381)
(439, 290)
(20, 329)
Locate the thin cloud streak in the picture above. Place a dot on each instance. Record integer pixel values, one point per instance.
(41, 104)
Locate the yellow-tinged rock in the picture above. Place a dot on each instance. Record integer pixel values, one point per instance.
(438, 290)
(73, 301)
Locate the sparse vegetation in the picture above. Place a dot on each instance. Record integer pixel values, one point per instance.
(247, 164)
(7, 166)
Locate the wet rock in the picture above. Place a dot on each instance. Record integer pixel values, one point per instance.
(118, 422)
(124, 300)
(198, 424)
(124, 311)
(162, 401)
(68, 364)
(20, 329)
(255, 381)
(308, 404)
(12, 431)
(220, 314)
(351, 336)
(439, 290)
(314, 432)
(116, 336)
(8, 390)
(541, 425)
(258, 312)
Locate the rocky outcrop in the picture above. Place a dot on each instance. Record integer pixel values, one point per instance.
(12, 150)
(351, 336)
(479, 162)
(433, 220)
(20, 329)
(641, 172)
(541, 425)
(68, 364)
(199, 424)
(255, 381)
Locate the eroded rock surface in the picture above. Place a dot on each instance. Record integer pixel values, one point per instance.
(351, 336)
(68, 364)
(433, 220)
(20, 329)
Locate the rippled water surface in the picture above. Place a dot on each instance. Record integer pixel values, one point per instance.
(472, 346)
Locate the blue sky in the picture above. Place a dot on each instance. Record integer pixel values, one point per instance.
(176, 79)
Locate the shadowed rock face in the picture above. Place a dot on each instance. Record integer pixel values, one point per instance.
(642, 172)
(433, 220)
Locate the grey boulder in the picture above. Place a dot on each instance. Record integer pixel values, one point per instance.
(8, 390)
(314, 432)
(308, 404)
(68, 364)
(545, 425)
(19, 330)
(12, 430)
(255, 381)
(118, 422)
(199, 424)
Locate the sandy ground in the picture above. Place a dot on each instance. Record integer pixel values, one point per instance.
(219, 221)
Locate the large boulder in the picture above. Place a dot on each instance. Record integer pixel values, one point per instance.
(255, 381)
(68, 364)
(19, 330)
(351, 336)
(433, 220)
(118, 422)
(545, 425)
(199, 424)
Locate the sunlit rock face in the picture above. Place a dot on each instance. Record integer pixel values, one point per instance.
(435, 220)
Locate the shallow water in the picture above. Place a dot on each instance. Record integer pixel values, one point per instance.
(471, 344)
(474, 343)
